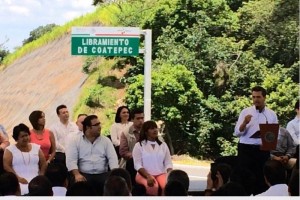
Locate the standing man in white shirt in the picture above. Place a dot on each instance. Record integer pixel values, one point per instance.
(249, 154)
(293, 125)
(88, 155)
(61, 130)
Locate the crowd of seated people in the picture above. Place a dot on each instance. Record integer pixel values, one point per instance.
(144, 167)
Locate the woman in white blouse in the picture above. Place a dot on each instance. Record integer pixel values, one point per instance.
(151, 159)
(122, 122)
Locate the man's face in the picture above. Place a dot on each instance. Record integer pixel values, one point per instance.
(79, 122)
(138, 120)
(95, 127)
(258, 99)
(63, 114)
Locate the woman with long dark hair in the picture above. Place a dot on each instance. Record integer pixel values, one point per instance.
(152, 159)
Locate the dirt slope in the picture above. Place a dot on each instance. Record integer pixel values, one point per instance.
(41, 80)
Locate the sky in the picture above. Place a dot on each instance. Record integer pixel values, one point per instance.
(19, 17)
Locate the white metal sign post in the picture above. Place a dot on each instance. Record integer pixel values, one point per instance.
(116, 41)
(147, 73)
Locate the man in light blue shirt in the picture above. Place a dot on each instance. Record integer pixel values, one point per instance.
(249, 154)
(88, 155)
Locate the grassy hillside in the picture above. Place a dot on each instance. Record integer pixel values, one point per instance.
(102, 16)
(97, 84)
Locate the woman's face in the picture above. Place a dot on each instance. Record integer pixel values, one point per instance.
(152, 133)
(23, 138)
(124, 114)
(42, 120)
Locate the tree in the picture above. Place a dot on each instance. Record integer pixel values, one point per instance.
(3, 51)
(176, 100)
(39, 32)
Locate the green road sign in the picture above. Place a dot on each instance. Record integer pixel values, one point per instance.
(105, 41)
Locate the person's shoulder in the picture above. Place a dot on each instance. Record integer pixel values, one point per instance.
(114, 124)
(104, 138)
(73, 124)
(35, 146)
(54, 126)
(11, 147)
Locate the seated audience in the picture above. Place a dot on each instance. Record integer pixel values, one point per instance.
(89, 155)
(4, 142)
(293, 186)
(82, 188)
(230, 189)
(245, 177)
(116, 186)
(122, 173)
(57, 173)
(122, 122)
(42, 136)
(152, 159)
(40, 186)
(181, 176)
(285, 149)
(9, 185)
(218, 176)
(175, 188)
(24, 159)
(275, 177)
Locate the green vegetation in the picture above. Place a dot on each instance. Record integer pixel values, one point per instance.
(101, 16)
(100, 93)
(207, 54)
(228, 47)
(39, 32)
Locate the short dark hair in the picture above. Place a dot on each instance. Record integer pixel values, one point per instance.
(143, 133)
(260, 89)
(40, 186)
(115, 186)
(136, 111)
(9, 184)
(88, 121)
(181, 176)
(18, 129)
(34, 119)
(122, 173)
(175, 188)
(275, 172)
(118, 117)
(297, 105)
(60, 107)
(57, 173)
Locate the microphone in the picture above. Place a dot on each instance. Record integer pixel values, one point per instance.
(262, 112)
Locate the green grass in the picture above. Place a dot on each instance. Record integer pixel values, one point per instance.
(106, 112)
(104, 16)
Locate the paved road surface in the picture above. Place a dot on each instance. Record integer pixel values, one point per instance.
(197, 175)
